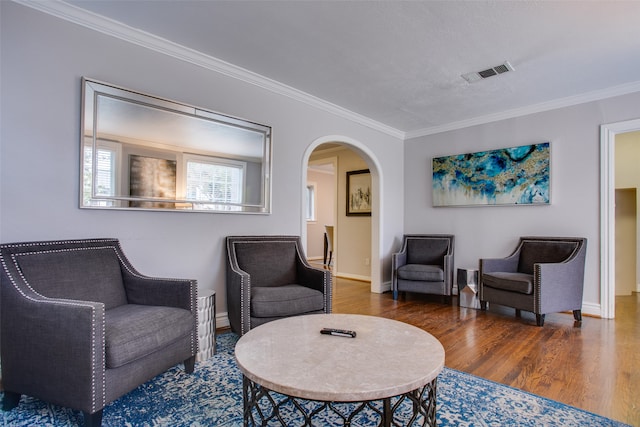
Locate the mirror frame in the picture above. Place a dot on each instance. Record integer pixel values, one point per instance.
(90, 198)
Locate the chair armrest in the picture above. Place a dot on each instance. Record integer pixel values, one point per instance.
(311, 277)
(490, 265)
(238, 298)
(559, 285)
(55, 347)
(317, 279)
(144, 290)
(448, 273)
(398, 259)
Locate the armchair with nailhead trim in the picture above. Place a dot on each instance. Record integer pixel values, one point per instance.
(424, 265)
(269, 278)
(542, 275)
(80, 327)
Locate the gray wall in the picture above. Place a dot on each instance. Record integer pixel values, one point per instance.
(493, 231)
(43, 59)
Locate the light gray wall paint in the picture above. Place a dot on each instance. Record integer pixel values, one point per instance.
(493, 231)
(43, 59)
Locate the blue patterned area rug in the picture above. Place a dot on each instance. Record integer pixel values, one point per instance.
(212, 396)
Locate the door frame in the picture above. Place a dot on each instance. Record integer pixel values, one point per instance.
(377, 285)
(608, 134)
(334, 213)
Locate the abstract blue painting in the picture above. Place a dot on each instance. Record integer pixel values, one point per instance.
(508, 176)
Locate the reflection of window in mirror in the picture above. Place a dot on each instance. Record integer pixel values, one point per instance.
(141, 151)
(211, 179)
(107, 172)
(311, 201)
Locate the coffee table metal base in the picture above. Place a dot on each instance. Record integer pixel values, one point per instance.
(264, 407)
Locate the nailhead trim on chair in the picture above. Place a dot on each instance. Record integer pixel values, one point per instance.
(117, 248)
(243, 303)
(536, 283)
(537, 302)
(276, 239)
(194, 345)
(94, 406)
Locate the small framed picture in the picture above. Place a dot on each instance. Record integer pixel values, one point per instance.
(359, 193)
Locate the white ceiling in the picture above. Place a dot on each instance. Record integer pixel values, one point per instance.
(399, 63)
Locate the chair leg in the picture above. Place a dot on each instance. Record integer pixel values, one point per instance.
(540, 319)
(483, 305)
(326, 248)
(189, 365)
(395, 295)
(577, 314)
(10, 400)
(93, 420)
(518, 312)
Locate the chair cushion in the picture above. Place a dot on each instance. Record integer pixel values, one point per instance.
(269, 263)
(288, 300)
(426, 250)
(513, 282)
(86, 274)
(134, 331)
(537, 252)
(421, 272)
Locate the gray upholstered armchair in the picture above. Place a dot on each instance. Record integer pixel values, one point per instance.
(424, 265)
(268, 278)
(543, 275)
(80, 326)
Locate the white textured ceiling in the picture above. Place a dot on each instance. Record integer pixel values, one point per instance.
(399, 62)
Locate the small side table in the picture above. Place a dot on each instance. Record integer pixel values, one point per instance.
(206, 324)
(468, 288)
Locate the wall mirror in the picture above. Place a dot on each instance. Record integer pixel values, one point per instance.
(144, 152)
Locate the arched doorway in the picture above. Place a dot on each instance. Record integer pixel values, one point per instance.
(376, 212)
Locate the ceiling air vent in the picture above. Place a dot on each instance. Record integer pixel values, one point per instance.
(494, 71)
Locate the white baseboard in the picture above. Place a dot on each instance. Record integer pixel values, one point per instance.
(222, 320)
(385, 287)
(354, 277)
(591, 309)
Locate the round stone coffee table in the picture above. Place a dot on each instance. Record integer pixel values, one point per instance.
(294, 375)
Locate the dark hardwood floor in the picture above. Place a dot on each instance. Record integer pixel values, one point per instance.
(595, 367)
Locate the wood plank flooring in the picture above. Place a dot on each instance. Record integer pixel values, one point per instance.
(595, 367)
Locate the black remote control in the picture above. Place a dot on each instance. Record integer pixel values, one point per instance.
(338, 332)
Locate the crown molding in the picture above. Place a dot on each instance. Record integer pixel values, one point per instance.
(110, 27)
(99, 23)
(530, 109)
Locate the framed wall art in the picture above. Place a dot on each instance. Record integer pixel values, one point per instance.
(152, 178)
(359, 193)
(508, 176)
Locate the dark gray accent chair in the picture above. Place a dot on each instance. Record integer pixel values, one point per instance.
(423, 265)
(81, 327)
(269, 278)
(542, 275)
